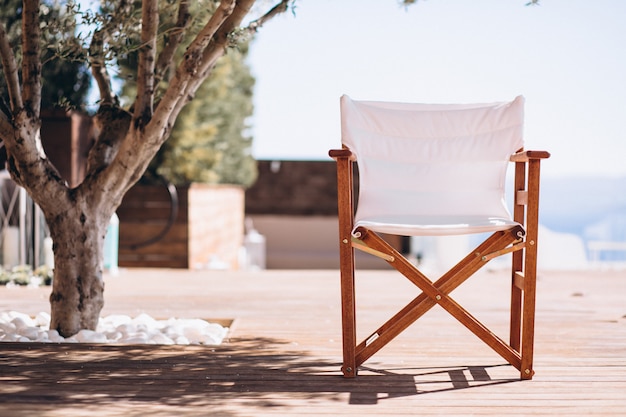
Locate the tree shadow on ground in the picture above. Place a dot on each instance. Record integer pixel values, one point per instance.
(256, 372)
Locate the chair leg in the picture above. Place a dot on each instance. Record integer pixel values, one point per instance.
(348, 312)
(528, 325)
(530, 270)
(528, 312)
(345, 202)
(517, 287)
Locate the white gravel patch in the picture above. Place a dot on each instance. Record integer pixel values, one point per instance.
(114, 329)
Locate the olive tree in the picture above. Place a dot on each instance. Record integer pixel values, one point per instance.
(128, 137)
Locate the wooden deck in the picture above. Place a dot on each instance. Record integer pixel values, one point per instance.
(283, 353)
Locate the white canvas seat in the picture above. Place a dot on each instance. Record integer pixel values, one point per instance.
(430, 170)
(408, 225)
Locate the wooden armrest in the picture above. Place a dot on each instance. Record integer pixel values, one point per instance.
(341, 153)
(525, 156)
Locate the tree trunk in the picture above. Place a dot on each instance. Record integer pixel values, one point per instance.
(78, 288)
(126, 143)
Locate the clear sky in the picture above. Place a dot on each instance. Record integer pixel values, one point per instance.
(567, 57)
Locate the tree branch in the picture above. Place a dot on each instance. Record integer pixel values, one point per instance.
(99, 70)
(221, 41)
(197, 47)
(173, 41)
(6, 129)
(255, 25)
(147, 53)
(200, 58)
(222, 37)
(194, 64)
(9, 68)
(178, 90)
(112, 123)
(193, 71)
(31, 64)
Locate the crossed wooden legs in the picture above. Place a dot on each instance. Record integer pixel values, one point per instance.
(438, 293)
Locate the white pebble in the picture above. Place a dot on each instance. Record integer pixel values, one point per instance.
(145, 319)
(126, 329)
(143, 329)
(113, 336)
(182, 340)
(160, 339)
(209, 339)
(22, 323)
(90, 336)
(7, 327)
(42, 319)
(113, 321)
(31, 333)
(54, 336)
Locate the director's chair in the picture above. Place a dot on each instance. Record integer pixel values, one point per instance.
(434, 170)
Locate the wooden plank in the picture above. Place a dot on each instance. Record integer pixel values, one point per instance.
(128, 261)
(283, 355)
(138, 232)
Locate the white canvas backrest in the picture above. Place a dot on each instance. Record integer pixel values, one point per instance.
(431, 160)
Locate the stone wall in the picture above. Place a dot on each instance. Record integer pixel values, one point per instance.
(216, 220)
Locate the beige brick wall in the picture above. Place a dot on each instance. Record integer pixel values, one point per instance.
(215, 224)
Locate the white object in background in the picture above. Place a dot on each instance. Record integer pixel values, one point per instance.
(111, 245)
(437, 254)
(450, 250)
(11, 246)
(48, 253)
(254, 244)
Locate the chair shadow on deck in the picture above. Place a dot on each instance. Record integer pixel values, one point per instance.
(256, 372)
(419, 381)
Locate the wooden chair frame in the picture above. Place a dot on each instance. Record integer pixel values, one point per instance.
(519, 240)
